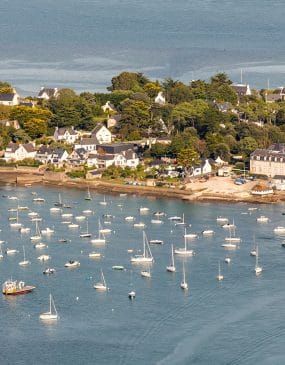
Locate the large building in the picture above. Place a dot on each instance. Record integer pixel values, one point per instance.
(269, 162)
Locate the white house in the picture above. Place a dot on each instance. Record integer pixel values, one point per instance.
(46, 93)
(67, 135)
(88, 144)
(9, 99)
(123, 159)
(202, 169)
(108, 107)
(102, 134)
(160, 99)
(18, 152)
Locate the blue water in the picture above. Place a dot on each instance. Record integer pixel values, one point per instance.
(82, 44)
(237, 321)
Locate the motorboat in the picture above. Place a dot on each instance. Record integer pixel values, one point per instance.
(38, 200)
(48, 271)
(132, 294)
(143, 210)
(72, 264)
(47, 231)
(139, 225)
(208, 232)
(94, 255)
(146, 274)
(227, 260)
(80, 218)
(156, 242)
(11, 251)
(129, 218)
(223, 220)
(262, 219)
(40, 245)
(279, 230)
(229, 245)
(118, 267)
(156, 221)
(73, 225)
(43, 258)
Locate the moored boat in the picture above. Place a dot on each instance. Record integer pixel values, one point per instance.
(14, 287)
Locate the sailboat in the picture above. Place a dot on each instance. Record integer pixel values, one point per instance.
(25, 262)
(132, 293)
(146, 257)
(253, 251)
(101, 239)
(37, 235)
(59, 202)
(220, 277)
(85, 234)
(184, 284)
(88, 196)
(103, 229)
(146, 273)
(1, 252)
(232, 238)
(51, 315)
(184, 250)
(16, 224)
(258, 268)
(102, 284)
(182, 223)
(171, 267)
(104, 201)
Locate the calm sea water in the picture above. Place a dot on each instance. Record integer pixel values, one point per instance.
(82, 44)
(237, 321)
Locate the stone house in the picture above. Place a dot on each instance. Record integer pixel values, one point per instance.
(269, 162)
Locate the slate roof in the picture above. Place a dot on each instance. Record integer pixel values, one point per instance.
(7, 96)
(62, 130)
(88, 141)
(49, 91)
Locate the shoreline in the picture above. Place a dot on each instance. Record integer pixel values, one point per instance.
(29, 177)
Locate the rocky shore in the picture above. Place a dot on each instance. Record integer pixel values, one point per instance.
(214, 190)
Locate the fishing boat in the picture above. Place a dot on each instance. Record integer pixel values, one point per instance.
(51, 315)
(102, 286)
(72, 263)
(86, 234)
(184, 284)
(184, 251)
(146, 257)
(14, 287)
(49, 271)
(25, 262)
(220, 277)
(171, 267)
(88, 195)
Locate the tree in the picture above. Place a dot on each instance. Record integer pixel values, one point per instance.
(186, 114)
(5, 88)
(152, 89)
(187, 158)
(24, 113)
(247, 145)
(35, 128)
(128, 81)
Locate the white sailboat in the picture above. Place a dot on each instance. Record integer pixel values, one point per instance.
(1, 252)
(182, 223)
(171, 267)
(51, 315)
(232, 237)
(183, 251)
(16, 224)
(85, 234)
(88, 196)
(146, 257)
(189, 235)
(146, 273)
(104, 230)
(220, 277)
(101, 238)
(102, 286)
(184, 284)
(25, 262)
(37, 235)
(258, 268)
(103, 202)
